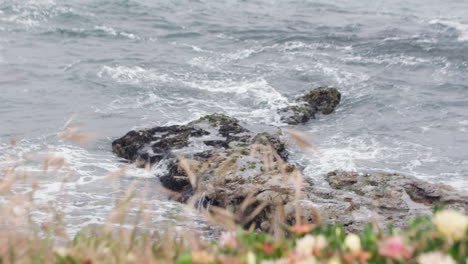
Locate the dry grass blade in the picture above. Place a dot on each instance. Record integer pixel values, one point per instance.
(297, 178)
(53, 161)
(279, 220)
(13, 142)
(172, 194)
(254, 213)
(69, 121)
(301, 139)
(75, 135)
(221, 216)
(186, 167)
(316, 216)
(247, 202)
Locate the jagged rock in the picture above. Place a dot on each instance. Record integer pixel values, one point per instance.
(234, 165)
(320, 100)
(209, 141)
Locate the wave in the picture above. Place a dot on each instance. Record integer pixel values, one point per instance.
(460, 27)
(86, 191)
(239, 96)
(370, 154)
(33, 13)
(96, 31)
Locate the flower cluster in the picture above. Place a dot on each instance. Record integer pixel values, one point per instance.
(442, 239)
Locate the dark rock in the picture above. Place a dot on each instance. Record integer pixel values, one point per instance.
(324, 99)
(234, 165)
(320, 100)
(297, 114)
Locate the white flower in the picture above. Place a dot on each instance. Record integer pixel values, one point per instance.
(61, 251)
(451, 224)
(353, 242)
(308, 260)
(251, 258)
(277, 261)
(435, 258)
(308, 244)
(131, 257)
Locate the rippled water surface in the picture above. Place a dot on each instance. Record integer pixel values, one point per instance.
(402, 67)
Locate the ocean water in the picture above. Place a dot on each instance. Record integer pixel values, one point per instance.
(401, 66)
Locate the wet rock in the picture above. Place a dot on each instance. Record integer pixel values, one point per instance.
(324, 99)
(248, 174)
(320, 100)
(388, 198)
(208, 143)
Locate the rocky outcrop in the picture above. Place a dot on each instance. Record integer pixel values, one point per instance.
(207, 143)
(216, 161)
(233, 164)
(320, 100)
(386, 198)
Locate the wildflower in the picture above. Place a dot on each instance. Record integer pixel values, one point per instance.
(202, 257)
(61, 251)
(394, 247)
(435, 258)
(334, 260)
(308, 260)
(268, 248)
(338, 231)
(309, 244)
(451, 224)
(302, 229)
(228, 239)
(276, 261)
(251, 258)
(353, 243)
(131, 257)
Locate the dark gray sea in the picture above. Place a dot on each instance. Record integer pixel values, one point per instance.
(116, 65)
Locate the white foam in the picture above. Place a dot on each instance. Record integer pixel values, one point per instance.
(111, 31)
(252, 96)
(213, 61)
(401, 59)
(460, 27)
(133, 75)
(340, 75)
(108, 30)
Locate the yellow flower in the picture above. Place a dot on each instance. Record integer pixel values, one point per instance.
(308, 244)
(334, 260)
(251, 258)
(353, 242)
(435, 258)
(451, 224)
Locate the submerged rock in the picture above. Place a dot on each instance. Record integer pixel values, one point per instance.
(320, 100)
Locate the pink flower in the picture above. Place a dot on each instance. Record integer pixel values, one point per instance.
(228, 239)
(394, 247)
